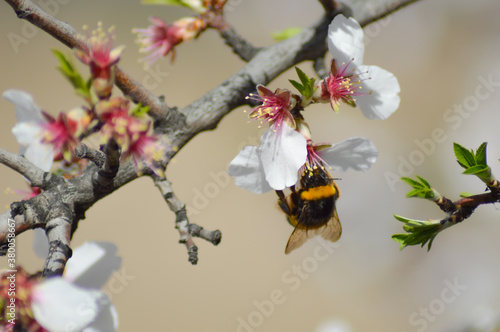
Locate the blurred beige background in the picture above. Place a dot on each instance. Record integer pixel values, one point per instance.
(437, 49)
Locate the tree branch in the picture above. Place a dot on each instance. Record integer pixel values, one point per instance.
(80, 193)
(186, 230)
(23, 166)
(66, 34)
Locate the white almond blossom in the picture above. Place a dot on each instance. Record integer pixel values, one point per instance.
(73, 302)
(373, 89)
(29, 128)
(249, 169)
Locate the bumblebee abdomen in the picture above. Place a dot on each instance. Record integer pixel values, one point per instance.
(317, 205)
(317, 193)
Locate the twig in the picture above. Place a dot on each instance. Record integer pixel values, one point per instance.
(23, 166)
(463, 208)
(84, 152)
(240, 45)
(186, 230)
(329, 6)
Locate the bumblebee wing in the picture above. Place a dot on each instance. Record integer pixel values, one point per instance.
(297, 239)
(332, 229)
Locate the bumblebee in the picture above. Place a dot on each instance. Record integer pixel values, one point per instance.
(311, 209)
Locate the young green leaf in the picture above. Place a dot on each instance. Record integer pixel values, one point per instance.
(477, 169)
(68, 69)
(481, 155)
(465, 157)
(298, 86)
(285, 33)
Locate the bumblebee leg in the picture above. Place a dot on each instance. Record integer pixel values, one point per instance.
(282, 202)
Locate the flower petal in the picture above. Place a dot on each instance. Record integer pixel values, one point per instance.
(40, 154)
(59, 305)
(106, 321)
(247, 169)
(282, 151)
(357, 153)
(26, 109)
(383, 99)
(92, 264)
(27, 130)
(345, 41)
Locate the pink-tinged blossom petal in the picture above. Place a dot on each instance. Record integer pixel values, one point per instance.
(248, 171)
(282, 151)
(58, 305)
(345, 41)
(383, 99)
(160, 39)
(28, 130)
(357, 153)
(275, 107)
(374, 90)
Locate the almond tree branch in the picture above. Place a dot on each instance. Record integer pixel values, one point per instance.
(463, 208)
(23, 166)
(240, 46)
(66, 34)
(80, 193)
(58, 232)
(329, 6)
(186, 230)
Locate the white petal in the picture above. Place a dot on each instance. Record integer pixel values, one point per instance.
(27, 130)
(40, 154)
(247, 169)
(59, 305)
(26, 133)
(92, 264)
(26, 109)
(383, 99)
(345, 40)
(106, 321)
(357, 153)
(282, 151)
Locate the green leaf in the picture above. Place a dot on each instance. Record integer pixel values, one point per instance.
(307, 87)
(481, 154)
(68, 69)
(421, 189)
(420, 232)
(298, 86)
(476, 169)
(139, 110)
(465, 157)
(285, 33)
(424, 181)
(411, 182)
(302, 76)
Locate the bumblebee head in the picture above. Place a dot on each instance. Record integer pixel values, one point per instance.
(315, 176)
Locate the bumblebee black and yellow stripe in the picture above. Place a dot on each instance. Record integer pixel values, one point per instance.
(316, 193)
